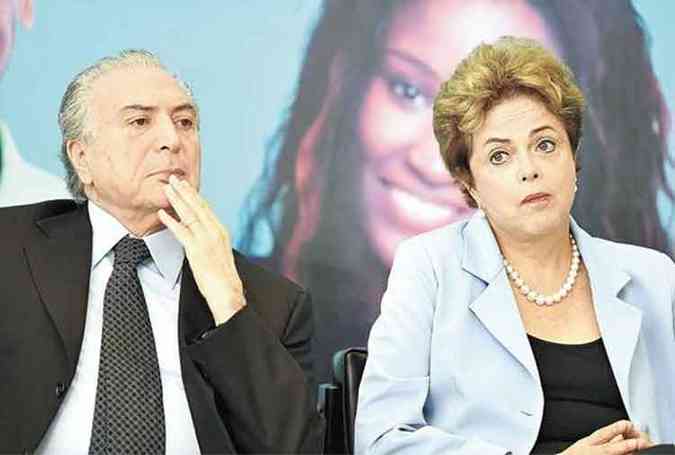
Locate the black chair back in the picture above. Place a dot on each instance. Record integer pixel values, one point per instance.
(337, 401)
(348, 368)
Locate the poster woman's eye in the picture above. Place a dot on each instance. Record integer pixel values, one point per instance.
(408, 93)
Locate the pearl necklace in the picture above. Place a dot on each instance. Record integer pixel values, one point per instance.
(540, 299)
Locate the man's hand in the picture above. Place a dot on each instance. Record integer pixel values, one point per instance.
(207, 247)
(619, 438)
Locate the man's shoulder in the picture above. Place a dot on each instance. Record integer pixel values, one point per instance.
(258, 276)
(269, 293)
(16, 219)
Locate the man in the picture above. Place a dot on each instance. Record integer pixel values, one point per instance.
(118, 335)
(20, 182)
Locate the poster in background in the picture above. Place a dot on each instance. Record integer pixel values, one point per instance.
(318, 151)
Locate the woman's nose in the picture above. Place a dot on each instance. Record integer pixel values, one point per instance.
(527, 168)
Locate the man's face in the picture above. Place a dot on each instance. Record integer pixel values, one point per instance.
(144, 128)
(7, 13)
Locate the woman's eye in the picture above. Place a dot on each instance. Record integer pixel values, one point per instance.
(408, 92)
(546, 146)
(499, 157)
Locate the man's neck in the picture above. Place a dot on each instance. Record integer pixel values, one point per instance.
(137, 223)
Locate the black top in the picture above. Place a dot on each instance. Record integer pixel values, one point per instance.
(580, 392)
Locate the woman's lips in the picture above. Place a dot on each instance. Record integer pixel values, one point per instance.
(535, 198)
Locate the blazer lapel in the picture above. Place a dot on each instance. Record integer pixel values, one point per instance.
(497, 310)
(618, 320)
(195, 316)
(59, 258)
(495, 306)
(194, 319)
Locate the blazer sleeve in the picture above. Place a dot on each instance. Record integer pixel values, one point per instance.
(263, 383)
(390, 415)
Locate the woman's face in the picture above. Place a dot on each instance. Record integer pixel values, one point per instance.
(523, 169)
(406, 188)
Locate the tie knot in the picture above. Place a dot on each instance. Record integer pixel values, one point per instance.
(130, 250)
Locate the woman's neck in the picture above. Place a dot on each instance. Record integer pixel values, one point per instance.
(541, 260)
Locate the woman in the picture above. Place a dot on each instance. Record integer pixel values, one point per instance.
(516, 329)
(356, 168)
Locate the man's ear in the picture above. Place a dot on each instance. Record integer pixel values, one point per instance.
(24, 12)
(79, 158)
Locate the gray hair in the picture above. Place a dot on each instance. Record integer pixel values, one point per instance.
(73, 111)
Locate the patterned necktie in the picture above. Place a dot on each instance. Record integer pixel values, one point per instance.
(128, 414)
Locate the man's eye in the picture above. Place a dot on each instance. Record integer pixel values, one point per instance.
(186, 123)
(499, 157)
(139, 122)
(546, 146)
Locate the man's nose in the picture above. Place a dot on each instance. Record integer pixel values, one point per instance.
(167, 135)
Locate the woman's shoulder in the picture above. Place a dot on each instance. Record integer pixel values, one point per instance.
(437, 245)
(440, 239)
(634, 257)
(650, 271)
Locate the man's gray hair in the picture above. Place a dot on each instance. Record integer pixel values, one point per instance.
(74, 105)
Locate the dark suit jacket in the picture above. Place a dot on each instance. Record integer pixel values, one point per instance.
(248, 382)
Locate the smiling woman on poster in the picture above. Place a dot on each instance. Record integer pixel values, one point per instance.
(355, 168)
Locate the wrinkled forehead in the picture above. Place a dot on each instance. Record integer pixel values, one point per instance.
(142, 86)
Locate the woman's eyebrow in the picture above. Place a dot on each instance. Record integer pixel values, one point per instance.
(417, 63)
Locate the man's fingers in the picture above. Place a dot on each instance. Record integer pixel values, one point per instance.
(186, 214)
(605, 434)
(192, 200)
(181, 232)
(199, 207)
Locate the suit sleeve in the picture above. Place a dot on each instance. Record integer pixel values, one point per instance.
(264, 385)
(390, 415)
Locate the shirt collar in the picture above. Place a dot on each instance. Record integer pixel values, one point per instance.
(166, 251)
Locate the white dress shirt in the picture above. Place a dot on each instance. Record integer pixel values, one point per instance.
(160, 277)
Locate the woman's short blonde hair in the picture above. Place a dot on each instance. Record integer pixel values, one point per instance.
(490, 74)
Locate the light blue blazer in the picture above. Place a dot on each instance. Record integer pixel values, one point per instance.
(450, 369)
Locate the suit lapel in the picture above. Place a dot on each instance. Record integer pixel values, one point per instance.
(195, 316)
(59, 258)
(495, 306)
(619, 321)
(194, 319)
